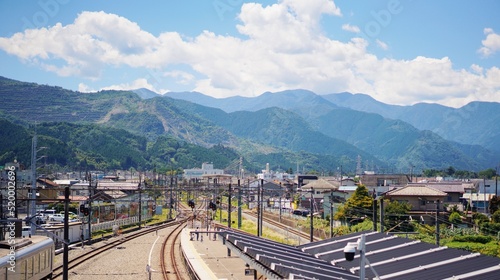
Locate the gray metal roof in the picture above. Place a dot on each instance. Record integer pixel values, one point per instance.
(390, 256)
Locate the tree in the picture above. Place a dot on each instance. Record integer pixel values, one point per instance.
(496, 217)
(494, 204)
(488, 173)
(455, 218)
(396, 215)
(358, 205)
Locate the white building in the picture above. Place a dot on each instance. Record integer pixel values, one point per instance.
(269, 175)
(206, 169)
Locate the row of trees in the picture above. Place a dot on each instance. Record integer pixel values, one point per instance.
(489, 173)
(396, 213)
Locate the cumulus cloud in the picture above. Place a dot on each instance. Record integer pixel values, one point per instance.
(136, 84)
(491, 44)
(282, 47)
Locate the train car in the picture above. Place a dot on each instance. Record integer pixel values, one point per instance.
(32, 258)
(76, 230)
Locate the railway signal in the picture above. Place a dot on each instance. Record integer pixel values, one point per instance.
(191, 203)
(84, 209)
(212, 205)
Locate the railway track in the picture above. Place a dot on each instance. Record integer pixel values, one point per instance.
(284, 227)
(74, 262)
(170, 267)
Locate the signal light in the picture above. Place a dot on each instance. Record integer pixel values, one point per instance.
(84, 209)
(191, 203)
(212, 205)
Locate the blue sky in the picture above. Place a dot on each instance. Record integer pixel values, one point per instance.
(399, 52)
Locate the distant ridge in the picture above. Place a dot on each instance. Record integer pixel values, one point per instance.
(145, 93)
(320, 131)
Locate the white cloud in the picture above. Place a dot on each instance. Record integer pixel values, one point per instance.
(136, 84)
(182, 77)
(283, 48)
(350, 28)
(491, 44)
(85, 88)
(382, 45)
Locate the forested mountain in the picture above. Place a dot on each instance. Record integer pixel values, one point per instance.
(392, 140)
(284, 129)
(477, 123)
(92, 146)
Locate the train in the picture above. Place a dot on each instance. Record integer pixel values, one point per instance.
(27, 258)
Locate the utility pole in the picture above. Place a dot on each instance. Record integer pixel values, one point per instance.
(437, 223)
(171, 198)
(340, 175)
(261, 208)
(89, 176)
(331, 214)
(312, 216)
(229, 207)
(66, 234)
(496, 181)
(281, 194)
(33, 183)
(258, 209)
(140, 200)
(382, 215)
(239, 204)
(229, 215)
(375, 208)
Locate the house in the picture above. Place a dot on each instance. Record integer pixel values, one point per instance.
(332, 201)
(420, 197)
(479, 201)
(382, 183)
(454, 191)
(46, 189)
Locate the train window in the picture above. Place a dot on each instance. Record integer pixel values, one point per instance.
(36, 264)
(22, 272)
(48, 259)
(29, 268)
(43, 257)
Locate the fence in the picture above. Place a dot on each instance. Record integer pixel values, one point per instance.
(120, 222)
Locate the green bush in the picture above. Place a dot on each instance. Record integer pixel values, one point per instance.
(483, 239)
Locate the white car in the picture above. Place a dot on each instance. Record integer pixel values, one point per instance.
(26, 231)
(56, 218)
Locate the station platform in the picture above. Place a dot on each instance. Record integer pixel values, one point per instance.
(209, 258)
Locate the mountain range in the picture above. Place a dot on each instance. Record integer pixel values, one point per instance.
(285, 129)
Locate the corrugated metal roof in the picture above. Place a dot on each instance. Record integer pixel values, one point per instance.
(390, 256)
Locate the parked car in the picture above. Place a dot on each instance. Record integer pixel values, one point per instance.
(56, 218)
(71, 215)
(26, 231)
